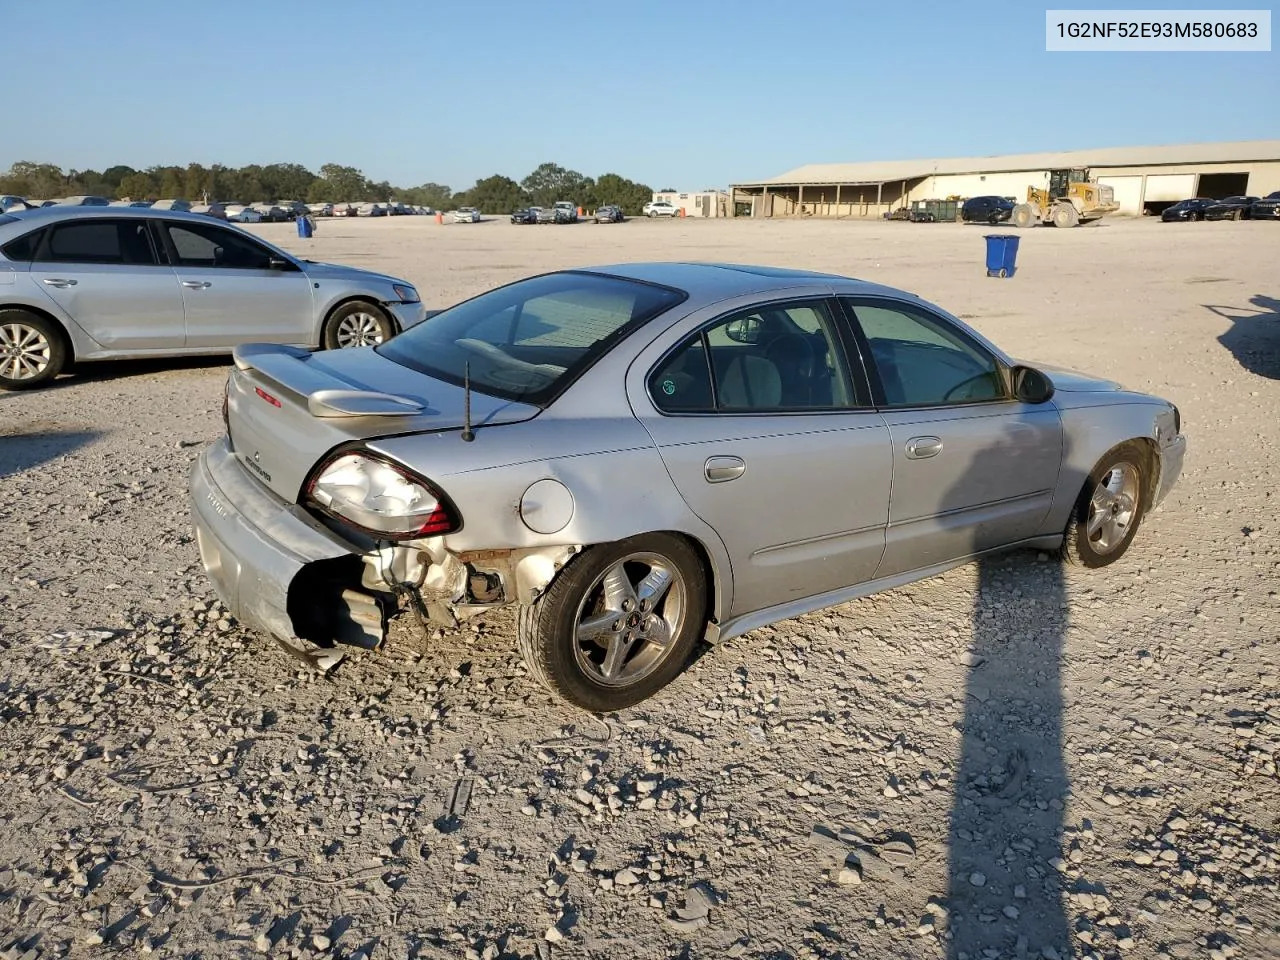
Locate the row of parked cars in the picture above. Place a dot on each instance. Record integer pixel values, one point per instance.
(1230, 208)
(279, 212)
(562, 211)
(565, 212)
(1000, 209)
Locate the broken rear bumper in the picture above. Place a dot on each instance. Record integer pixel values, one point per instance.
(252, 544)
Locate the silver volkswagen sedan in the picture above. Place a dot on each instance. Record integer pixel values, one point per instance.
(645, 456)
(105, 283)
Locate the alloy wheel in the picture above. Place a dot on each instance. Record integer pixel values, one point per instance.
(359, 330)
(25, 352)
(629, 620)
(1113, 508)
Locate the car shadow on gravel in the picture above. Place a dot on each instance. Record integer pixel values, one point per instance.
(1254, 336)
(20, 451)
(124, 369)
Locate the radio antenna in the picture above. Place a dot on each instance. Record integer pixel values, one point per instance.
(467, 433)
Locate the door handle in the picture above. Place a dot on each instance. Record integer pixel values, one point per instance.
(720, 469)
(920, 448)
(196, 284)
(58, 282)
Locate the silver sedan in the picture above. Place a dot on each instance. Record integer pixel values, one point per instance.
(101, 283)
(646, 456)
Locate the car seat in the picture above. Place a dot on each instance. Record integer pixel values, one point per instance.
(750, 382)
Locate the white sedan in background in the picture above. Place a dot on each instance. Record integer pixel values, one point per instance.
(466, 215)
(238, 214)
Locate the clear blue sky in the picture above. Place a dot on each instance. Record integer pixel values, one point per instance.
(683, 94)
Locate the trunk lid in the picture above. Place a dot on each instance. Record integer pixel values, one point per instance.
(288, 407)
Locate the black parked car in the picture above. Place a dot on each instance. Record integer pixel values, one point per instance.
(1268, 208)
(527, 215)
(1186, 210)
(1232, 208)
(987, 210)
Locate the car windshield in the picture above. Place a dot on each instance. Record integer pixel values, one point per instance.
(529, 340)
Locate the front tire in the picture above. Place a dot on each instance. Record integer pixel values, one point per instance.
(619, 622)
(1024, 215)
(33, 350)
(357, 324)
(1109, 509)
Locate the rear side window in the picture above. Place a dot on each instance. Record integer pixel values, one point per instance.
(780, 357)
(24, 248)
(125, 242)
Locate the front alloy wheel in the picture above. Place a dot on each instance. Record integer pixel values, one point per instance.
(359, 330)
(357, 324)
(1109, 510)
(618, 623)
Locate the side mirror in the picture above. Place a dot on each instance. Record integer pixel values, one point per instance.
(744, 329)
(277, 263)
(1030, 385)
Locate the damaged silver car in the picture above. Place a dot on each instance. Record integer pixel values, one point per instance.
(646, 456)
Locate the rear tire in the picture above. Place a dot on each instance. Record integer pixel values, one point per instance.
(1109, 509)
(618, 623)
(357, 324)
(33, 350)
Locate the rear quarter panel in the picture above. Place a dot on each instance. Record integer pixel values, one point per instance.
(19, 289)
(609, 464)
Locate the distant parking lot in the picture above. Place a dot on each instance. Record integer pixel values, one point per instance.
(433, 798)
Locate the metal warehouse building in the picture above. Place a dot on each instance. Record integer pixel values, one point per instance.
(1145, 179)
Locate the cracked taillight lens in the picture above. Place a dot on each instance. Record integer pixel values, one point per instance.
(380, 498)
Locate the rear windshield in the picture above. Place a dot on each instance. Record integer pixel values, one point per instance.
(529, 340)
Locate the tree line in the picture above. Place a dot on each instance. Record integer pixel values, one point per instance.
(335, 183)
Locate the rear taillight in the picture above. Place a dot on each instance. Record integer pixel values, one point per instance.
(226, 407)
(266, 396)
(381, 498)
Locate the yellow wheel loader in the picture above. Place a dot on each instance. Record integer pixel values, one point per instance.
(1072, 199)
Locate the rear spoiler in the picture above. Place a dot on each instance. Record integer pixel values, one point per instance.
(327, 395)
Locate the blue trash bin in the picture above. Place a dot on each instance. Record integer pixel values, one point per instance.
(1002, 254)
(306, 227)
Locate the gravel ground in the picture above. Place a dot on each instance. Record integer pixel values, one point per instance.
(1015, 759)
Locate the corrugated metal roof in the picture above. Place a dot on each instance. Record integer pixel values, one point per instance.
(887, 170)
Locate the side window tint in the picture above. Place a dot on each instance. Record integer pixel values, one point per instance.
(683, 383)
(24, 248)
(780, 358)
(125, 242)
(198, 245)
(923, 361)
